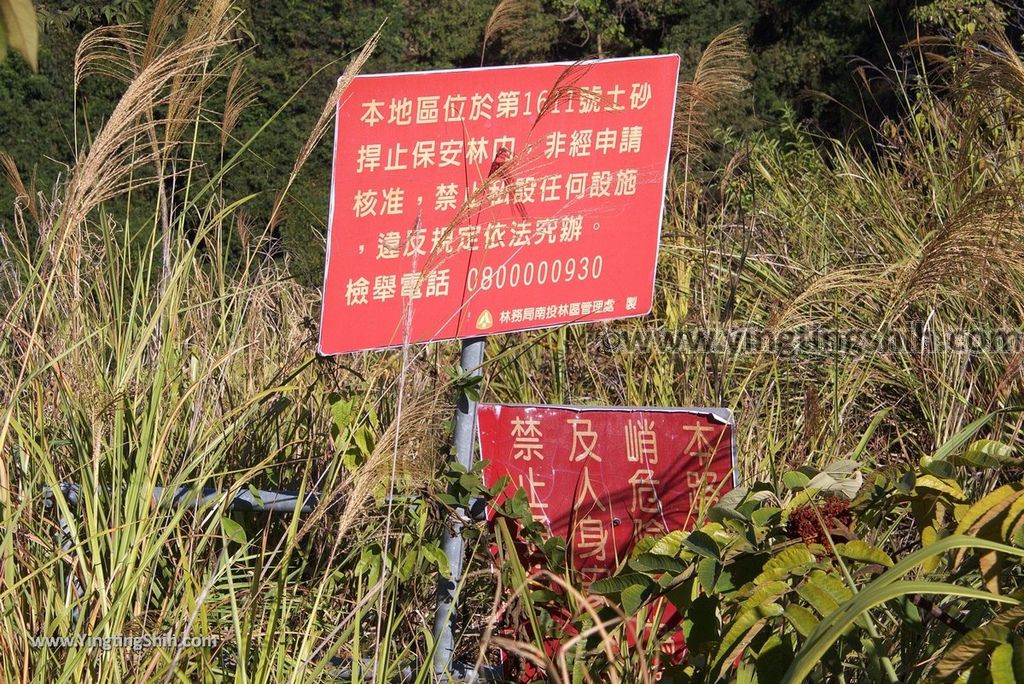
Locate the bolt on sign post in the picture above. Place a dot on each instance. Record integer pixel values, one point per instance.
(479, 201)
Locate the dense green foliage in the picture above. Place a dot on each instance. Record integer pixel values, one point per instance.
(801, 51)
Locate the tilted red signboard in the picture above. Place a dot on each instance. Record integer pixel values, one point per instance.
(481, 201)
(603, 477)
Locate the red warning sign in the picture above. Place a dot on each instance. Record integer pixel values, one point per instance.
(482, 201)
(601, 478)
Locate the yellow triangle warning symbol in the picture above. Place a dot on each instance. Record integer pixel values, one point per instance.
(484, 320)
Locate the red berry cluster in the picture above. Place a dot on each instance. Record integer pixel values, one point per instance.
(804, 524)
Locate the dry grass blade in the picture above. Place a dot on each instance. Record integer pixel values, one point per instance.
(996, 65)
(979, 244)
(165, 13)
(566, 87)
(507, 14)
(324, 121)
(720, 76)
(111, 51)
(9, 169)
(175, 78)
(240, 93)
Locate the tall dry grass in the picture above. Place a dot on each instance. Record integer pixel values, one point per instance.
(180, 353)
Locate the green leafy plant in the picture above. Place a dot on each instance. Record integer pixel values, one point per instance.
(792, 582)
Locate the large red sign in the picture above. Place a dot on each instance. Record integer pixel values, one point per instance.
(481, 201)
(603, 477)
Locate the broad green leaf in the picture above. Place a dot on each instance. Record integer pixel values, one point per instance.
(983, 519)
(1001, 667)
(969, 650)
(233, 531)
(707, 574)
(766, 515)
(728, 507)
(832, 584)
(988, 507)
(987, 453)
(1010, 617)
(928, 537)
(651, 562)
(736, 573)
(772, 660)
(1018, 657)
(795, 560)
(435, 555)
(839, 477)
(701, 625)
(1010, 521)
(944, 470)
(644, 545)
(618, 583)
(669, 544)
(801, 618)
(544, 595)
(702, 544)
(632, 598)
(795, 480)
(843, 466)
(945, 486)
(860, 550)
(733, 498)
(819, 598)
(750, 615)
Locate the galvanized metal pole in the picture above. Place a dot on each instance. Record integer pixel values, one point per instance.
(452, 542)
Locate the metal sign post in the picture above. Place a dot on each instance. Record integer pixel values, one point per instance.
(452, 543)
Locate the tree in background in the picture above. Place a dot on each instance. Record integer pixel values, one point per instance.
(801, 51)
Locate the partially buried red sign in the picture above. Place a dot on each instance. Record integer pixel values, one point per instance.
(482, 201)
(603, 477)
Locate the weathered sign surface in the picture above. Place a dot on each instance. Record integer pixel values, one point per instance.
(602, 477)
(481, 201)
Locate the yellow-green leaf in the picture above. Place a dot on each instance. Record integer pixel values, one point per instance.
(231, 529)
(970, 650)
(801, 618)
(1002, 665)
(796, 560)
(990, 566)
(18, 28)
(1012, 516)
(928, 537)
(983, 518)
(948, 487)
(988, 507)
(987, 453)
(669, 544)
(860, 550)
